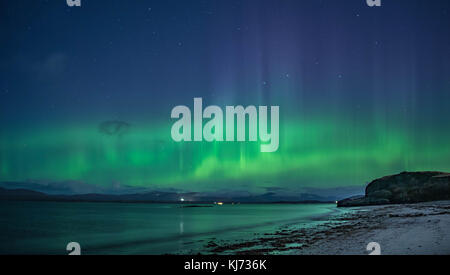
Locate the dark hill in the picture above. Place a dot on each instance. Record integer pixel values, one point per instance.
(21, 194)
(406, 187)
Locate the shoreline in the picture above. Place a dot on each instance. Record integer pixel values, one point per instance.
(405, 229)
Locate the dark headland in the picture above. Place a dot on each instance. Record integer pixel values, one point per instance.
(406, 187)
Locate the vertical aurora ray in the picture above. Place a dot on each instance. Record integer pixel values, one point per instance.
(362, 92)
(313, 153)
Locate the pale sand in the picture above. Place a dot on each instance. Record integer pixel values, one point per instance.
(399, 229)
(422, 228)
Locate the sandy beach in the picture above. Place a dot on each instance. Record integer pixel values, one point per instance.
(399, 230)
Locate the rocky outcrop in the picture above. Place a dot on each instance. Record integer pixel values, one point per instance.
(406, 187)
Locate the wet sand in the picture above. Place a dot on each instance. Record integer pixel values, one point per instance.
(399, 229)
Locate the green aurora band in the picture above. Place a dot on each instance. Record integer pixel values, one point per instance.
(313, 153)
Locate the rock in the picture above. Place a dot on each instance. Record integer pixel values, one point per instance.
(406, 187)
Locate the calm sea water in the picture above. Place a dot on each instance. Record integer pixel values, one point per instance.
(121, 228)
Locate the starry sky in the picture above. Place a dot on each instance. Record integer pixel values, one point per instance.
(86, 92)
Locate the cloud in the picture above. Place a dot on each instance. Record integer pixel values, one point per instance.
(114, 127)
(274, 189)
(52, 66)
(73, 187)
(48, 68)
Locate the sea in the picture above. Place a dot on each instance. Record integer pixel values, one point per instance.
(28, 227)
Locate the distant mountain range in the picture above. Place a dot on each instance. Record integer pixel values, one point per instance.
(160, 197)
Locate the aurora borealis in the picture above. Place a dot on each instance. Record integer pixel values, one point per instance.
(363, 92)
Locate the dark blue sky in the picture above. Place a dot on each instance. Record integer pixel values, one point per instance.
(355, 81)
(113, 56)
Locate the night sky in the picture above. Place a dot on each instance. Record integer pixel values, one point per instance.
(86, 92)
